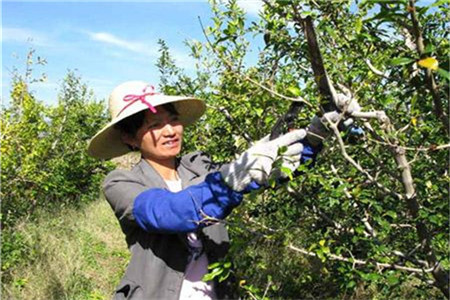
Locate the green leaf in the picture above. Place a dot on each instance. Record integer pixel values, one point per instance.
(429, 48)
(214, 265)
(372, 276)
(444, 74)
(440, 2)
(358, 25)
(386, 1)
(224, 276)
(306, 13)
(286, 171)
(400, 61)
(391, 214)
(259, 111)
(207, 277)
(294, 91)
(392, 279)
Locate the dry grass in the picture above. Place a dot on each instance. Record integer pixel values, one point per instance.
(76, 255)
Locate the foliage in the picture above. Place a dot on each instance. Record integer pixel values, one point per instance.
(342, 228)
(76, 254)
(352, 226)
(44, 163)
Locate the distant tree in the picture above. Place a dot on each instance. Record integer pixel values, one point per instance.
(44, 161)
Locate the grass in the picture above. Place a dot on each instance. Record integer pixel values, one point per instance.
(74, 255)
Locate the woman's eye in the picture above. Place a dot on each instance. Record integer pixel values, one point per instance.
(153, 125)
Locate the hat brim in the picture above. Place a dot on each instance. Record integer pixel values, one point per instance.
(107, 143)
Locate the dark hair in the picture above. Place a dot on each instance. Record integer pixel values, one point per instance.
(131, 125)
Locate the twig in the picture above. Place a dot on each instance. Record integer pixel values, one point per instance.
(370, 231)
(411, 259)
(269, 283)
(421, 149)
(246, 77)
(401, 225)
(346, 192)
(354, 261)
(327, 218)
(377, 114)
(366, 223)
(251, 294)
(60, 129)
(375, 70)
(344, 153)
(230, 120)
(261, 225)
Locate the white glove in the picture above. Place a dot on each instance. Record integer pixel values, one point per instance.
(347, 104)
(255, 164)
(318, 128)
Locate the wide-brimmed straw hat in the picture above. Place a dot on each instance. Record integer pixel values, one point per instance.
(130, 98)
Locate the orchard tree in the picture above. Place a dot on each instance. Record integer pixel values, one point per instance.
(370, 219)
(45, 166)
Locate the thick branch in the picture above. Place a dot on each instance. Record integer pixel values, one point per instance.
(440, 275)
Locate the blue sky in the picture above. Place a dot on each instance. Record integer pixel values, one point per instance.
(106, 42)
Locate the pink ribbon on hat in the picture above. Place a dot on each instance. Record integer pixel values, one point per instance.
(134, 98)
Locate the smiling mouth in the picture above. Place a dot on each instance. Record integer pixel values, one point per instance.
(171, 143)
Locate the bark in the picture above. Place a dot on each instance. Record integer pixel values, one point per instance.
(440, 275)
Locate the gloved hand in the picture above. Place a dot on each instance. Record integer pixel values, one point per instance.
(318, 129)
(255, 164)
(347, 104)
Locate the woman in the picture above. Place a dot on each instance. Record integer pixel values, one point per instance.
(169, 207)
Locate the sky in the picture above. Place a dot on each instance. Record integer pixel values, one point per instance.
(106, 42)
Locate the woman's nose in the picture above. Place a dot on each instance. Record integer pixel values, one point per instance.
(168, 129)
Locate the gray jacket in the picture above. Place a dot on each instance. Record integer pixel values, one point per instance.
(158, 260)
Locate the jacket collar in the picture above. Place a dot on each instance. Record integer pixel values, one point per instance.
(152, 178)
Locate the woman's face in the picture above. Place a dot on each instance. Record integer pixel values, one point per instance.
(160, 137)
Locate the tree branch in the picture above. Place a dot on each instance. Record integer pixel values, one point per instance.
(344, 153)
(440, 275)
(246, 77)
(429, 78)
(375, 70)
(230, 120)
(354, 261)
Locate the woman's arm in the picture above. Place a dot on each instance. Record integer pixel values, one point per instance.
(184, 211)
(159, 210)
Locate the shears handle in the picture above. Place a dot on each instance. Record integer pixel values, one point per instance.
(286, 121)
